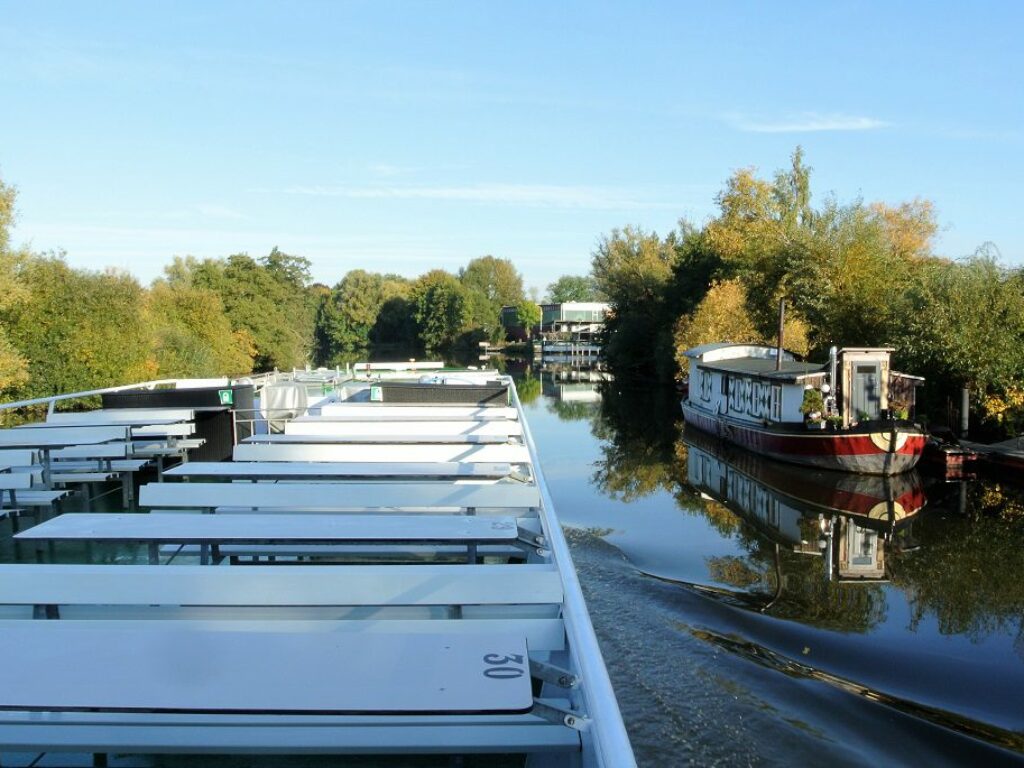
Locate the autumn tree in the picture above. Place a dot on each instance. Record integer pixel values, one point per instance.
(268, 298)
(497, 279)
(192, 336)
(13, 365)
(81, 330)
(762, 228)
(395, 323)
(357, 300)
(722, 316)
(848, 280)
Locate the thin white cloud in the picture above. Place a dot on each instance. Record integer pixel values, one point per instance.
(531, 195)
(808, 122)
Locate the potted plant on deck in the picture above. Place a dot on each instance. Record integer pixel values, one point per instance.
(812, 408)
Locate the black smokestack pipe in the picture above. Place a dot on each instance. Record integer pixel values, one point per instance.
(782, 320)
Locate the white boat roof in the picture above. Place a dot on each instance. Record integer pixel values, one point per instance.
(718, 350)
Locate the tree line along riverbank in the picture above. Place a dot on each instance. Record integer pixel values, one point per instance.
(853, 274)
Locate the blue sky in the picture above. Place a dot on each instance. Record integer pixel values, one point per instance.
(405, 136)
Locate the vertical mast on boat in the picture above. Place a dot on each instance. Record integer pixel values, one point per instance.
(782, 318)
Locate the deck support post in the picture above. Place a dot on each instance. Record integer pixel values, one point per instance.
(965, 411)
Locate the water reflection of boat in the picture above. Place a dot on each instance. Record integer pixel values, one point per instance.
(848, 519)
(573, 384)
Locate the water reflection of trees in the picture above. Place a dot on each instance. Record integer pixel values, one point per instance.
(572, 410)
(637, 429)
(967, 572)
(528, 388)
(960, 566)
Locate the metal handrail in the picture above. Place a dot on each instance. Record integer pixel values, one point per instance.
(611, 740)
(258, 380)
(51, 400)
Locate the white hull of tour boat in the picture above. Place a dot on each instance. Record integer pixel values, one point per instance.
(386, 574)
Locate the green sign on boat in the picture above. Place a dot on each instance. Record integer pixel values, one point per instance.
(227, 396)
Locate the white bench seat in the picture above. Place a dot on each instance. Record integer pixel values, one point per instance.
(43, 437)
(130, 416)
(15, 480)
(114, 465)
(166, 430)
(268, 735)
(118, 449)
(396, 454)
(153, 448)
(393, 411)
(542, 634)
(83, 477)
(191, 670)
(39, 498)
(19, 457)
(341, 496)
(279, 586)
(209, 529)
(406, 429)
(376, 438)
(275, 470)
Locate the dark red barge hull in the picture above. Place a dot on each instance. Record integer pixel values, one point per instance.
(887, 450)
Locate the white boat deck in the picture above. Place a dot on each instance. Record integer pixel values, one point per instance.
(409, 591)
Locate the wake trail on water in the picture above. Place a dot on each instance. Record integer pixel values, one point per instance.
(703, 677)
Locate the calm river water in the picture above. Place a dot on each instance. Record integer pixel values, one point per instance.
(751, 613)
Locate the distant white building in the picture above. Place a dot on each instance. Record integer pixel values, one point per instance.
(581, 319)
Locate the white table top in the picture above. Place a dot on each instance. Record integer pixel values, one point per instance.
(340, 495)
(220, 671)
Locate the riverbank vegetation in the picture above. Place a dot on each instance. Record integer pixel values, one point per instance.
(853, 274)
(66, 329)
